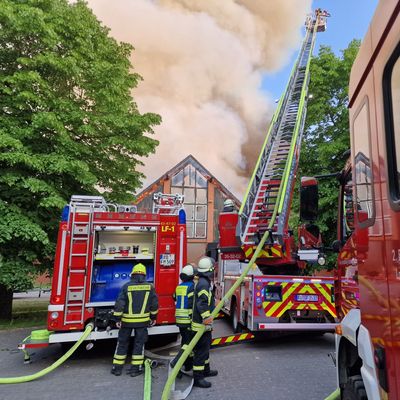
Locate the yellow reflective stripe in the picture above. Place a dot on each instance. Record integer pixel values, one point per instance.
(207, 361)
(135, 315)
(196, 326)
(137, 362)
(184, 346)
(119, 362)
(135, 319)
(117, 314)
(229, 339)
(119, 357)
(137, 357)
(146, 297)
(198, 368)
(130, 303)
(204, 291)
(190, 294)
(181, 290)
(205, 314)
(138, 287)
(154, 312)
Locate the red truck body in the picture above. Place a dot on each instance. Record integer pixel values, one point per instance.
(368, 287)
(97, 246)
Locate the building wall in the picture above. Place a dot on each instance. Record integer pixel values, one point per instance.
(192, 183)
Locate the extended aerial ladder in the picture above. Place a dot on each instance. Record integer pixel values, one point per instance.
(276, 167)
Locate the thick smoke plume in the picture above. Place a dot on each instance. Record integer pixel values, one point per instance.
(202, 62)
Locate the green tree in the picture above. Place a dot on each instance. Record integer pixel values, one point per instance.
(68, 124)
(326, 136)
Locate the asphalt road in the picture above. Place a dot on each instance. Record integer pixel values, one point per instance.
(293, 367)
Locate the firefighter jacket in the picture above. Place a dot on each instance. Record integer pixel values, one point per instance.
(203, 301)
(136, 304)
(184, 303)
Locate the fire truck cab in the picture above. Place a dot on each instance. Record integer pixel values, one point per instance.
(368, 338)
(98, 244)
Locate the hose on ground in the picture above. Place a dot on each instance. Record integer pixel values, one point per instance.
(52, 367)
(147, 380)
(334, 396)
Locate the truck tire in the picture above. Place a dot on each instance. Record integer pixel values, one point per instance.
(354, 389)
(237, 328)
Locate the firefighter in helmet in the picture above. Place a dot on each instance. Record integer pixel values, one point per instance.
(136, 308)
(203, 305)
(183, 312)
(229, 206)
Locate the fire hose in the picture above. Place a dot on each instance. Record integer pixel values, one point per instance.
(228, 295)
(52, 367)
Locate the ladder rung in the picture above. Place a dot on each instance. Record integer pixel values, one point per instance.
(77, 271)
(76, 287)
(79, 255)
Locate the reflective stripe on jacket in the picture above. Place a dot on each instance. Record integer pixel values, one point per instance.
(184, 303)
(203, 302)
(137, 303)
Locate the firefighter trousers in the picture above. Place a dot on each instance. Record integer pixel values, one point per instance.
(121, 351)
(201, 359)
(186, 337)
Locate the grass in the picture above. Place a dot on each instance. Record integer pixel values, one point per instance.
(27, 313)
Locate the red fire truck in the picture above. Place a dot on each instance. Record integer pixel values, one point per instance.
(368, 338)
(277, 295)
(98, 243)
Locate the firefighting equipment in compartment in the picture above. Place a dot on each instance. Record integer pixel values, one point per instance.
(183, 312)
(136, 307)
(139, 269)
(203, 305)
(52, 367)
(206, 264)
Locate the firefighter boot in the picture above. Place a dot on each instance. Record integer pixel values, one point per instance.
(135, 371)
(200, 382)
(116, 370)
(210, 372)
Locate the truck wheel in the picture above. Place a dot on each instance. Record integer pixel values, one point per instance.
(237, 328)
(354, 389)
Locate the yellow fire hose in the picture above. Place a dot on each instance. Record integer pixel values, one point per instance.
(334, 396)
(192, 344)
(52, 367)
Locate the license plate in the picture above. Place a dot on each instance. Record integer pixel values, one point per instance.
(167, 259)
(306, 297)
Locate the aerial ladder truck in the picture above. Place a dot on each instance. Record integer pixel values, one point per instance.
(276, 295)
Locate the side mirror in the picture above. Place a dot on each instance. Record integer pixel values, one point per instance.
(308, 199)
(336, 246)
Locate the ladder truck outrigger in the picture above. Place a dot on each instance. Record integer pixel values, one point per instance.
(98, 243)
(276, 295)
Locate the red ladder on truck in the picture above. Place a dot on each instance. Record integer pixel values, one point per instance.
(81, 244)
(276, 167)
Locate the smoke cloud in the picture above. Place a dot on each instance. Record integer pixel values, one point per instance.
(202, 62)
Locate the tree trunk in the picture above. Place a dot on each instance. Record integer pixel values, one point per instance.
(6, 298)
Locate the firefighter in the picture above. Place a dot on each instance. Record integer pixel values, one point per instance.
(136, 308)
(203, 305)
(183, 312)
(229, 206)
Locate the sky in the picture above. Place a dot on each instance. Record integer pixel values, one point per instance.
(213, 68)
(349, 20)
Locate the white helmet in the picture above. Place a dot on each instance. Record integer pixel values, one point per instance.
(188, 270)
(228, 203)
(206, 264)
